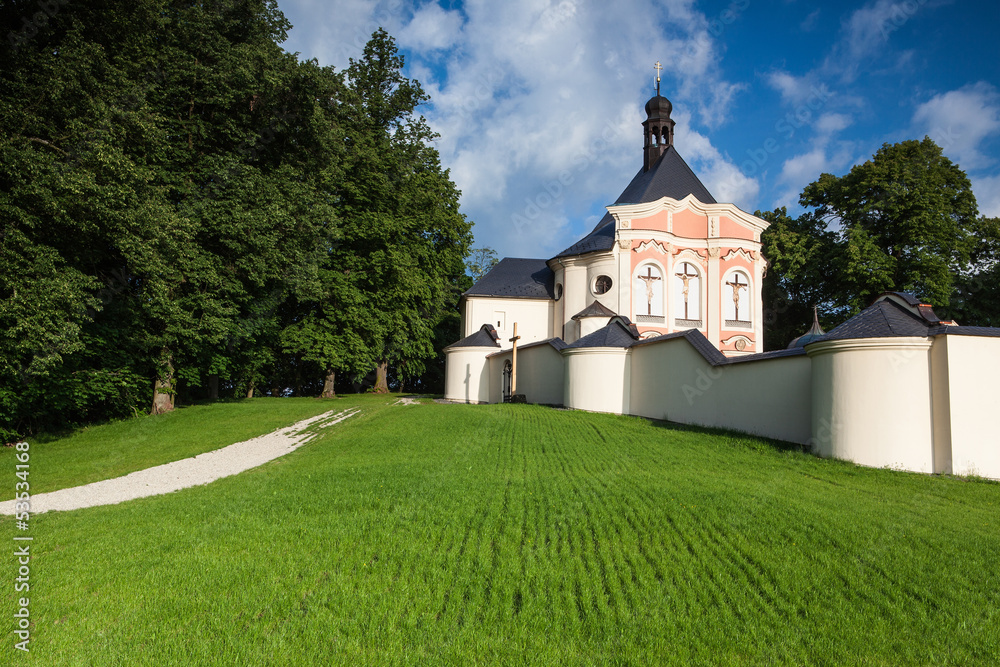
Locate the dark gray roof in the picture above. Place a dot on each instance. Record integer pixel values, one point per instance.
(711, 354)
(516, 277)
(695, 338)
(615, 334)
(949, 330)
(595, 309)
(669, 177)
(882, 319)
(762, 356)
(487, 336)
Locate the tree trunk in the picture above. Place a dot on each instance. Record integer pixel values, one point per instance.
(250, 390)
(381, 378)
(163, 387)
(328, 390)
(213, 387)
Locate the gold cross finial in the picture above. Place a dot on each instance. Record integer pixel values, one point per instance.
(658, 67)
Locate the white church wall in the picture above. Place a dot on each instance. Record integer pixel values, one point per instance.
(533, 316)
(972, 403)
(603, 265)
(871, 402)
(671, 380)
(467, 375)
(597, 379)
(539, 374)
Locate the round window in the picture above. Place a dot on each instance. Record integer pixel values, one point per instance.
(602, 285)
(558, 291)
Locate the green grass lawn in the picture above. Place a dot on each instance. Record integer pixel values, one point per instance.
(511, 535)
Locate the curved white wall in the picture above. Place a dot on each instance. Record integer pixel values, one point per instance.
(597, 379)
(871, 402)
(467, 374)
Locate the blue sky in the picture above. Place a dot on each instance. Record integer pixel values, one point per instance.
(539, 102)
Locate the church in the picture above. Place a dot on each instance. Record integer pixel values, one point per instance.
(657, 313)
(667, 256)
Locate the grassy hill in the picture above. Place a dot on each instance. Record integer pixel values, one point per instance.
(448, 534)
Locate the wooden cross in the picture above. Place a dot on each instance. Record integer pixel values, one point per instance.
(648, 279)
(686, 278)
(737, 286)
(513, 361)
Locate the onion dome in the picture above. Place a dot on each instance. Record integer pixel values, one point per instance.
(815, 332)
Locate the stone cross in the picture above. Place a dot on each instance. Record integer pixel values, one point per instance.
(737, 286)
(648, 279)
(686, 277)
(513, 361)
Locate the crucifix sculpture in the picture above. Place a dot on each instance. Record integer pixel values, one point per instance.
(737, 286)
(686, 278)
(648, 279)
(513, 360)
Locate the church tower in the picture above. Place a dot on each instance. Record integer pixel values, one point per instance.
(658, 129)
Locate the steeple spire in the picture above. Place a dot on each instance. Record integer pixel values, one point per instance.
(658, 129)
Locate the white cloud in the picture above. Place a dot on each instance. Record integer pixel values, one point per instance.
(831, 123)
(987, 191)
(960, 120)
(800, 170)
(538, 103)
(432, 28)
(809, 23)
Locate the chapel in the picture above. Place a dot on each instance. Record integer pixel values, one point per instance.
(666, 257)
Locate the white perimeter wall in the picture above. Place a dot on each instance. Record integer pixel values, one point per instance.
(966, 406)
(539, 375)
(467, 374)
(671, 380)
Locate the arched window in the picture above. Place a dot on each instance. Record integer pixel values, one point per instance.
(687, 295)
(736, 299)
(647, 293)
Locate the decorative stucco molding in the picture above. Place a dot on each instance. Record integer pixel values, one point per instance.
(651, 245)
(733, 254)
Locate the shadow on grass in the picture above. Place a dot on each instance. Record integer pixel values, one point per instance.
(742, 438)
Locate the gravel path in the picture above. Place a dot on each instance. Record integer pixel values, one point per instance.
(178, 475)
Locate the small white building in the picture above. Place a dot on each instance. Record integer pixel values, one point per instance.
(657, 313)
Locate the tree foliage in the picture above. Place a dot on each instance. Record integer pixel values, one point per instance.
(189, 211)
(906, 220)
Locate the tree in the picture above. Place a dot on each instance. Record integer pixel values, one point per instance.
(799, 252)
(404, 238)
(905, 220)
(480, 261)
